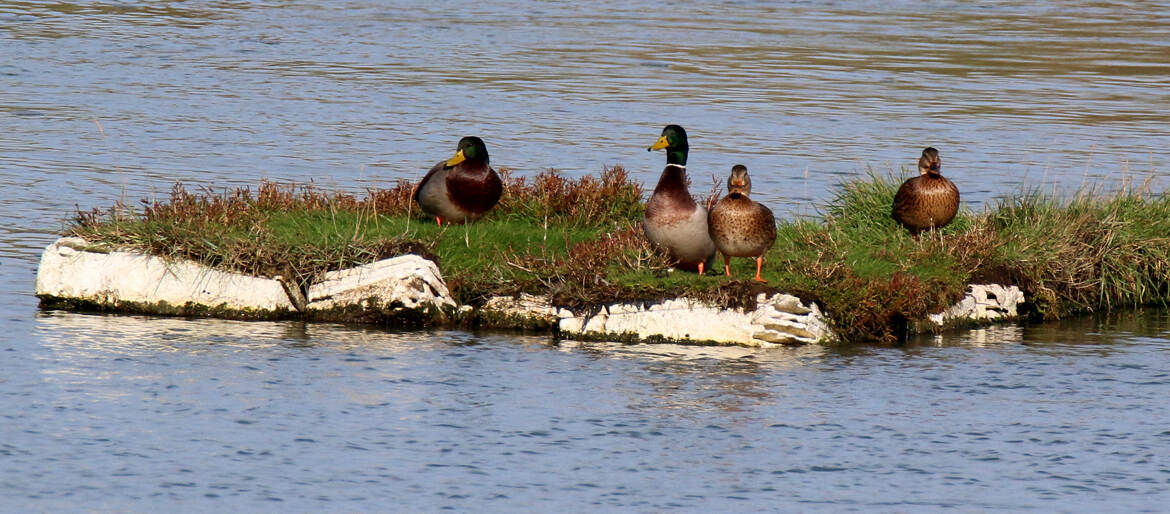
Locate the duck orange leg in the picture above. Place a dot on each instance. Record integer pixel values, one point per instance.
(759, 266)
(701, 265)
(727, 264)
(438, 221)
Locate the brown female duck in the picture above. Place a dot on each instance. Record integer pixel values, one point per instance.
(740, 226)
(461, 188)
(929, 200)
(674, 221)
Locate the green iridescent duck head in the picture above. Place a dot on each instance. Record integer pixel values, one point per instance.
(471, 149)
(674, 140)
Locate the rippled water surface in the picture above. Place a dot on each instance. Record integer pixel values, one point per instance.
(114, 412)
(101, 101)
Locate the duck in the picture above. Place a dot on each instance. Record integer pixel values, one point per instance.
(674, 222)
(740, 226)
(928, 201)
(461, 188)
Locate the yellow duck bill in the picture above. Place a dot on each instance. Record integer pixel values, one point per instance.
(660, 144)
(457, 159)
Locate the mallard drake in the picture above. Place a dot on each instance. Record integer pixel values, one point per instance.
(928, 200)
(740, 226)
(674, 221)
(461, 188)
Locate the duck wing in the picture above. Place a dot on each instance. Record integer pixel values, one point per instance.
(767, 223)
(438, 167)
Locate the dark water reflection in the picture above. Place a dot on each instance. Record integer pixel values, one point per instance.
(102, 101)
(121, 411)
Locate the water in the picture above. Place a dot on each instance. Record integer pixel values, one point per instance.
(116, 412)
(101, 101)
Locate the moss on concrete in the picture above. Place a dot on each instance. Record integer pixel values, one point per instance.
(164, 308)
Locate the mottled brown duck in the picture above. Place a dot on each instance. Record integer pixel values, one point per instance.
(674, 221)
(461, 188)
(929, 200)
(739, 226)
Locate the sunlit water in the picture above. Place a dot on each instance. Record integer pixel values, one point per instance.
(101, 101)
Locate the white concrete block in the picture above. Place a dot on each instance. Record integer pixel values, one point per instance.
(571, 325)
(624, 308)
(410, 280)
(597, 323)
(524, 306)
(983, 302)
(773, 322)
(69, 270)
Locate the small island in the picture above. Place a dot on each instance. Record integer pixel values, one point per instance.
(568, 257)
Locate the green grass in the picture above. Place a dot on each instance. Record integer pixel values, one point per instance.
(580, 242)
(1097, 251)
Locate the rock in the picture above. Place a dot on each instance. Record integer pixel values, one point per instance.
(982, 302)
(597, 324)
(571, 325)
(780, 319)
(524, 305)
(69, 270)
(72, 271)
(408, 281)
(523, 312)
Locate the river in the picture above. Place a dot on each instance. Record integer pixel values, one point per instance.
(109, 101)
